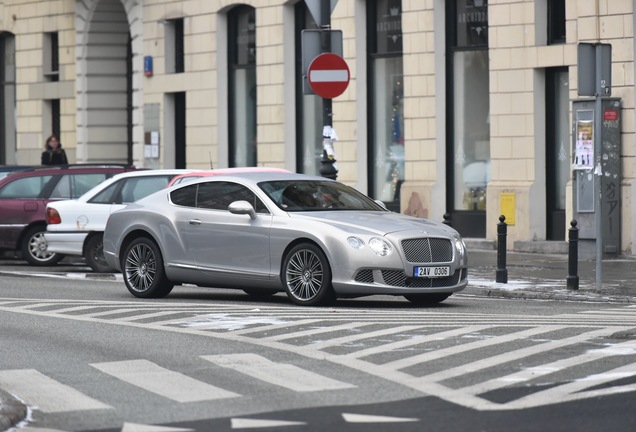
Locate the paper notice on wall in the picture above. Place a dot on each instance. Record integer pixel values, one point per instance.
(584, 145)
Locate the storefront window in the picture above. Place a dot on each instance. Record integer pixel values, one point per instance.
(472, 129)
(386, 94)
(242, 81)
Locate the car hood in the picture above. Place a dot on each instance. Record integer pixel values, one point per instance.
(379, 222)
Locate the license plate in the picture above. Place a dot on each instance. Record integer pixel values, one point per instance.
(431, 272)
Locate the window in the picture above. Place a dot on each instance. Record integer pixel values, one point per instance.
(242, 84)
(386, 105)
(174, 46)
(51, 56)
(137, 188)
(186, 196)
(27, 187)
(308, 106)
(556, 22)
(468, 115)
(219, 195)
(55, 117)
(75, 185)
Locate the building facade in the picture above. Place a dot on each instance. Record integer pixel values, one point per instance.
(456, 108)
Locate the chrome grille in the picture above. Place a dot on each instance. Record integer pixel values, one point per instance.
(398, 278)
(427, 250)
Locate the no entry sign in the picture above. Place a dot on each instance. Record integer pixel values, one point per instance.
(328, 75)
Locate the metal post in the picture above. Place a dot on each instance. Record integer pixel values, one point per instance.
(597, 168)
(327, 163)
(502, 232)
(573, 256)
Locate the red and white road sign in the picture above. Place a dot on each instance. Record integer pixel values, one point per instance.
(328, 75)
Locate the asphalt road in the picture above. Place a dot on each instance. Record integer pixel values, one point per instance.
(84, 355)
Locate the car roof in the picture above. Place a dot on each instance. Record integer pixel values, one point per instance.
(62, 169)
(225, 171)
(154, 172)
(256, 177)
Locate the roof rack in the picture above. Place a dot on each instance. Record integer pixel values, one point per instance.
(78, 166)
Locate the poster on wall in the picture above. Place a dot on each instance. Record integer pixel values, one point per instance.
(584, 145)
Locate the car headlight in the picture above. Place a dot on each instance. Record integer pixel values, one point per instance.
(355, 242)
(380, 246)
(460, 246)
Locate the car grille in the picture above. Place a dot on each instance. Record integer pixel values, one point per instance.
(365, 276)
(427, 250)
(397, 278)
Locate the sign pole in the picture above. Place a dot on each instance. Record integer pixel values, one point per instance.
(598, 108)
(328, 161)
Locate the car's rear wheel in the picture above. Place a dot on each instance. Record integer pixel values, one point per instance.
(306, 276)
(427, 299)
(144, 274)
(94, 254)
(34, 248)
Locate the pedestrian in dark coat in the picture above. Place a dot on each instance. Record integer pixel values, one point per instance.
(54, 153)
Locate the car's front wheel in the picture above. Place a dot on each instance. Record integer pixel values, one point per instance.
(35, 250)
(306, 276)
(427, 299)
(144, 274)
(94, 254)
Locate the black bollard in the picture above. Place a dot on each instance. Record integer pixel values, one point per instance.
(573, 256)
(502, 232)
(447, 219)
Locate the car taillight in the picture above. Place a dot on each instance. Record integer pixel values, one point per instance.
(52, 216)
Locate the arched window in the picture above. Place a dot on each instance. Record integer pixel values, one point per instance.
(242, 86)
(385, 95)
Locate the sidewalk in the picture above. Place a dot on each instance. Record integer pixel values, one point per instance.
(544, 276)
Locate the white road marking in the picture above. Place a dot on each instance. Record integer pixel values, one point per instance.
(316, 331)
(45, 394)
(363, 418)
(135, 427)
(239, 423)
(280, 374)
(445, 352)
(164, 382)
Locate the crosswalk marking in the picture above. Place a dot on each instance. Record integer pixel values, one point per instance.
(445, 352)
(164, 382)
(280, 374)
(48, 395)
(542, 370)
(316, 331)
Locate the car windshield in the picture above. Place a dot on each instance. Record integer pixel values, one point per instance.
(316, 195)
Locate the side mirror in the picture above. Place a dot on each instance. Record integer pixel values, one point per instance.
(242, 207)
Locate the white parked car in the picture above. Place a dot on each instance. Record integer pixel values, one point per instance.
(75, 227)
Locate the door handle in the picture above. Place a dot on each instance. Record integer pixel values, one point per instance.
(195, 222)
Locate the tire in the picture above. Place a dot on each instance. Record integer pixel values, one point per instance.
(94, 254)
(259, 292)
(144, 273)
(34, 248)
(427, 299)
(306, 276)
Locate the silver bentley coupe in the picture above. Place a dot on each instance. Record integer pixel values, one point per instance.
(265, 232)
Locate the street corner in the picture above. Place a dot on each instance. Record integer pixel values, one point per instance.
(12, 411)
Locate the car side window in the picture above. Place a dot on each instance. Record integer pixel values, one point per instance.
(75, 185)
(185, 196)
(219, 195)
(137, 188)
(107, 196)
(26, 187)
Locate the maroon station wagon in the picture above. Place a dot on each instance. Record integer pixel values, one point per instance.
(25, 194)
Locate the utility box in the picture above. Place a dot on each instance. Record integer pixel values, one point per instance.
(594, 158)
